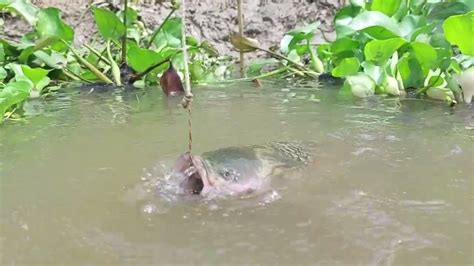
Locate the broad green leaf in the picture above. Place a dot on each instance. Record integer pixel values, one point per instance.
(50, 24)
(344, 44)
(459, 30)
(13, 93)
(388, 7)
(5, 3)
(26, 9)
(379, 51)
(348, 66)
(443, 60)
(375, 24)
(410, 72)
(34, 74)
(360, 85)
(132, 16)
(54, 60)
(170, 33)
(348, 11)
(425, 54)
(45, 41)
(411, 26)
(108, 24)
(468, 3)
(427, 29)
(140, 58)
(438, 40)
(443, 10)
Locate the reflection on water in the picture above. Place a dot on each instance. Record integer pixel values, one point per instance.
(83, 180)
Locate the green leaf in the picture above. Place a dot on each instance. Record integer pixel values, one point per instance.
(375, 24)
(348, 66)
(443, 10)
(379, 51)
(108, 24)
(459, 30)
(170, 34)
(468, 3)
(388, 7)
(50, 25)
(410, 72)
(5, 3)
(140, 59)
(132, 16)
(425, 54)
(348, 11)
(344, 44)
(55, 60)
(14, 93)
(25, 9)
(34, 74)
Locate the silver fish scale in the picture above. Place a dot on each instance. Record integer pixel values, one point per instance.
(292, 150)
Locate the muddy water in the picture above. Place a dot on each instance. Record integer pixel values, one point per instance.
(393, 183)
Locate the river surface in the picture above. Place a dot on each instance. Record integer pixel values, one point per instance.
(392, 184)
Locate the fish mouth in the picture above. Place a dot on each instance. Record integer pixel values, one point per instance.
(196, 175)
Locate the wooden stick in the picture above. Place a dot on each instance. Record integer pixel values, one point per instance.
(240, 18)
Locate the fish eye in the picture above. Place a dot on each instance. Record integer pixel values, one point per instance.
(229, 174)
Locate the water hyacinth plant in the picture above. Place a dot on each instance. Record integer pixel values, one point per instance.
(124, 52)
(390, 46)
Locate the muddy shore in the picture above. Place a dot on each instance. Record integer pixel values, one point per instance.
(212, 20)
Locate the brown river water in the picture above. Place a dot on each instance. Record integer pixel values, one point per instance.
(80, 181)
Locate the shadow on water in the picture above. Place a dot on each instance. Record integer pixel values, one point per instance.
(83, 180)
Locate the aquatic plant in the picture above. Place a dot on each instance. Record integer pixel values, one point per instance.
(123, 52)
(386, 47)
